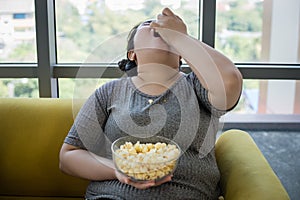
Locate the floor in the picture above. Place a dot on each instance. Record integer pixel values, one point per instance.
(282, 150)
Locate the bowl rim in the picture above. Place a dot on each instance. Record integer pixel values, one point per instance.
(161, 162)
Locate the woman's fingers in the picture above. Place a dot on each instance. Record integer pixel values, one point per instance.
(153, 183)
(141, 185)
(167, 12)
(164, 180)
(148, 184)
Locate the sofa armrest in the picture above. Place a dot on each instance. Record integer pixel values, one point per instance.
(245, 173)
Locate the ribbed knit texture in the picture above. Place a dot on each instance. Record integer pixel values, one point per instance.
(182, 113)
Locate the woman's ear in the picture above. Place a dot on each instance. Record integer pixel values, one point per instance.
(131, 55)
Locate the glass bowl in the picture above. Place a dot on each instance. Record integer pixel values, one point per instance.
(144, 159)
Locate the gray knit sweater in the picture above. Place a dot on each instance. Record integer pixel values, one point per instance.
(182, 113)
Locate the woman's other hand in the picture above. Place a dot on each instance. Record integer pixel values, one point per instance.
(141, 185)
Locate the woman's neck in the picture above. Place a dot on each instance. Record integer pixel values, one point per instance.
(157, 73)
(154, 79)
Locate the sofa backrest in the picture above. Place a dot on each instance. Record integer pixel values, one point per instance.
(32, 132)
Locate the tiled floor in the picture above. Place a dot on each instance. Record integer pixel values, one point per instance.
(282, 150)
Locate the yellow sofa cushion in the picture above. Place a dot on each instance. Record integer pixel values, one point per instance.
(245, 173)
(32, 132)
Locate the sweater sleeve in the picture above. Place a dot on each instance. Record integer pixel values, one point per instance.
(87, 131)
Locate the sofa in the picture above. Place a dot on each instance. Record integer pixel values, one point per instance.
(32, 132)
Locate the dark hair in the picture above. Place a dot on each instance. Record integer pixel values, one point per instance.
(126, 64)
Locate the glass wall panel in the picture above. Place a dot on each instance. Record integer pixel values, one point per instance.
(80, 87)
(259, 30)
(96, 31)
(269, 97)
(258, 96)
(17, 32)
(22, 87)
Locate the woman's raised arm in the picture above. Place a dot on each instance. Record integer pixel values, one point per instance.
(216, 72)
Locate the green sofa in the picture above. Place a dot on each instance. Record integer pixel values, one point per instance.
(32, 132)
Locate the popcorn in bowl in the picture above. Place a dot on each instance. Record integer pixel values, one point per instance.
(144, 159)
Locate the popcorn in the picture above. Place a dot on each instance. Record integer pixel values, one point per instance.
(146, 161)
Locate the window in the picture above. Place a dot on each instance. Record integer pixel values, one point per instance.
(17, 32)
(79, 88)
(21, 87)
(84, 40)
(269, 97)
(17, 45)
(259, 31)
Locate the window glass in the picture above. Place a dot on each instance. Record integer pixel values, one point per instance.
(269, 97)
(17, 32)
(258, 96)
(259, 30)
(96, 31)
(21, 87)
(80, 87)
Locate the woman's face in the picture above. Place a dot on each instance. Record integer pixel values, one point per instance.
(150, 47)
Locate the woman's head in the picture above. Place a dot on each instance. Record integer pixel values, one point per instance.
(144, 41)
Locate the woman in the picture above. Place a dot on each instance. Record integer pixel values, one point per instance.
(158, 100)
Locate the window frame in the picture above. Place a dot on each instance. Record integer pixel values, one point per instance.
(47, 71)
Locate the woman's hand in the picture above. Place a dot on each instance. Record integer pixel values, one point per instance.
(169, 25)
(141, 185)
